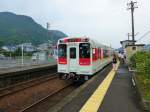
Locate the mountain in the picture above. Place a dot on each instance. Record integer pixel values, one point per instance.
(147, 47)
(55, 35)
(16, 29)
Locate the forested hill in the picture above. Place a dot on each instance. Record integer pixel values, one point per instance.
(16, 29)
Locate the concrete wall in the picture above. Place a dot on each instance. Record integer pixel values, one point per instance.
(130, 50)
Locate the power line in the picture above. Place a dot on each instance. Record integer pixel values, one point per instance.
(143, 36)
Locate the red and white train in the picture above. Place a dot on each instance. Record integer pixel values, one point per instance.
(81, 57)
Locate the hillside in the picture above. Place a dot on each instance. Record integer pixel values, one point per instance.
(16, 29)
(147, 47)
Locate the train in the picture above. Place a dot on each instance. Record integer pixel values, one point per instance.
(80, 58)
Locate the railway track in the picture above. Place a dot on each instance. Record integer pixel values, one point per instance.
(25, 95)
(38, 103)
(24, 85)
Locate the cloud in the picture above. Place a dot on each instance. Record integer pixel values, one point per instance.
(107, 21)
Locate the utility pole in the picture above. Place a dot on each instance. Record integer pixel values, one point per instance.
(47, 25)
(22, 54)
(48, 32)
(131, 6)
(128, 36)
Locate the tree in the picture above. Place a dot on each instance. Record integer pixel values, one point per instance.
(18, 52)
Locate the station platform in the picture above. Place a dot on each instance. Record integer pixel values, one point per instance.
(108, 91)
(25, 68)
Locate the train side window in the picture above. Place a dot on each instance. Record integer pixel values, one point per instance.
(84, 50)
(95, 54)
(62, 50)
(99, 51)
(73, 52)
(94, 51)
(105, 53)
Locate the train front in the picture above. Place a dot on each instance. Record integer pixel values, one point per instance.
(74, 58)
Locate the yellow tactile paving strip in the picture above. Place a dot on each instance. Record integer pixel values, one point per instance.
(94, 102)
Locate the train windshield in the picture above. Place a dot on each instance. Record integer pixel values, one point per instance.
(62, 50)
(84, 50)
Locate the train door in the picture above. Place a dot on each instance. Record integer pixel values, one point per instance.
(73, 63)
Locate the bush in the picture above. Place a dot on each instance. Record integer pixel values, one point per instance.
(141, 61)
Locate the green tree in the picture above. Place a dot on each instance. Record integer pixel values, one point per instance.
(18, 52)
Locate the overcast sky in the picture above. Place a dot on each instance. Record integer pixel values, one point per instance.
(106, 21)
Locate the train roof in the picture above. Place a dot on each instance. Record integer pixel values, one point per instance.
(91, 40)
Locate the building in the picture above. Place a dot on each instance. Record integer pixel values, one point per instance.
(9, 48)
(27, 47)
(124, 43)
(131, 48)
(42, 56)
(44, 47)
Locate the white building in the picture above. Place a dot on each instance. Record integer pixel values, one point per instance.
(9, 48)
(44, 47)
(28, 47)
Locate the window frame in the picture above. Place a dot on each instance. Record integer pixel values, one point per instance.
(65, 51)
(75, 53)
(86, 56)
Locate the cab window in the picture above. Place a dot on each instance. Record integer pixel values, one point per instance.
(62, 50)
(84, 50)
